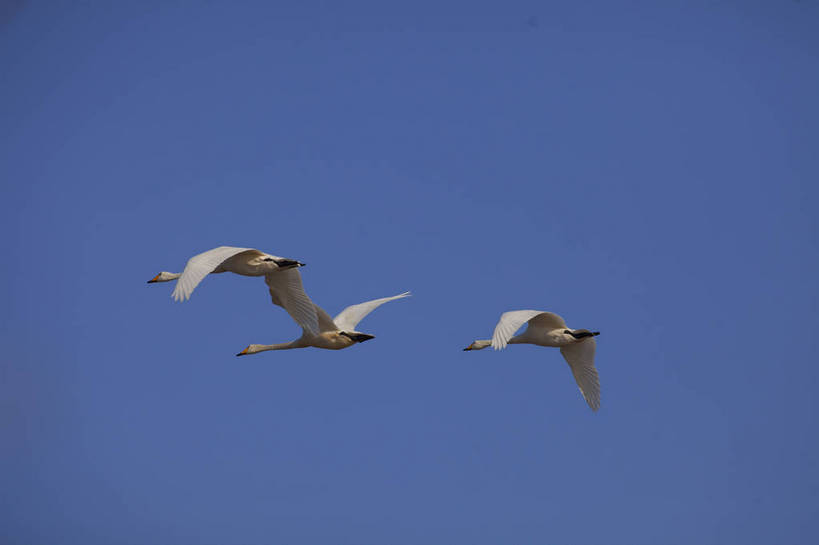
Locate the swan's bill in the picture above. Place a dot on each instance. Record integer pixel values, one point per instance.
(244, 352)
(155, 279)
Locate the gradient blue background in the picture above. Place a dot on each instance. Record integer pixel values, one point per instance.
(648, 170)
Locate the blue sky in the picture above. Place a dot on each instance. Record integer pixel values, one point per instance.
(647, 170)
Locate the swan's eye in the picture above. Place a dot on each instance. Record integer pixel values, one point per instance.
(567, 332)
(267, 259)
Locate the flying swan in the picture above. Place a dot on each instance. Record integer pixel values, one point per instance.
(549, 329)
(334, 333)
(248, 262)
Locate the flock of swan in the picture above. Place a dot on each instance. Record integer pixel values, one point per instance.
(320, 331)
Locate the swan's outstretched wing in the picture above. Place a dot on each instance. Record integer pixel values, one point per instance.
(580, 357)
(199, 266)
(324, 321)
(287, 291)
(511, 321)
(350, 316)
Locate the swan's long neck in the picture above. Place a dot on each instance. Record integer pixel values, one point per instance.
(254, 348)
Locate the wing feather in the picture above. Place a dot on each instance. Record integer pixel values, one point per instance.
(201, 265)
(580, 357)
(287, 291)
(325, 322)
(348, 318)
(513, 320)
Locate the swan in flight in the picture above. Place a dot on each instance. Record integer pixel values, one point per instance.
(244, 261)
(281, 275)
(335, 333)
(549, 329)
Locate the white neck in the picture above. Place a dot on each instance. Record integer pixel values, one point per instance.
(255, 348)
(266, 347)
(484, 343)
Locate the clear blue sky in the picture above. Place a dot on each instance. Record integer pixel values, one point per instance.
(648, 170)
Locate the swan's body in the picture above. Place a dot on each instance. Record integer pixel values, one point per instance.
(244, 261)
(334, 333)
(548, 329)
(281, 275)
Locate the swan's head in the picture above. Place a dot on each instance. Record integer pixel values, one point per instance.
(581, 333)
(251, 349)
(280, 262)
(164, 276)
(477, 345)
(356, 337)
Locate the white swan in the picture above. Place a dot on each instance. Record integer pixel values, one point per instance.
(335, 333)
(281, 275)
(549, 329)
(244, 261)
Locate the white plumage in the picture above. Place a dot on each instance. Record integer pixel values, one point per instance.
(334, 333)
(281, 275)
(348, 318)
(548, 329)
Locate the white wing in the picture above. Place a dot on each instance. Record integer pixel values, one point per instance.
(199, 266)
(325, 322)
(287, 291)
(580, 357)
(511, 321)
(350, 316)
